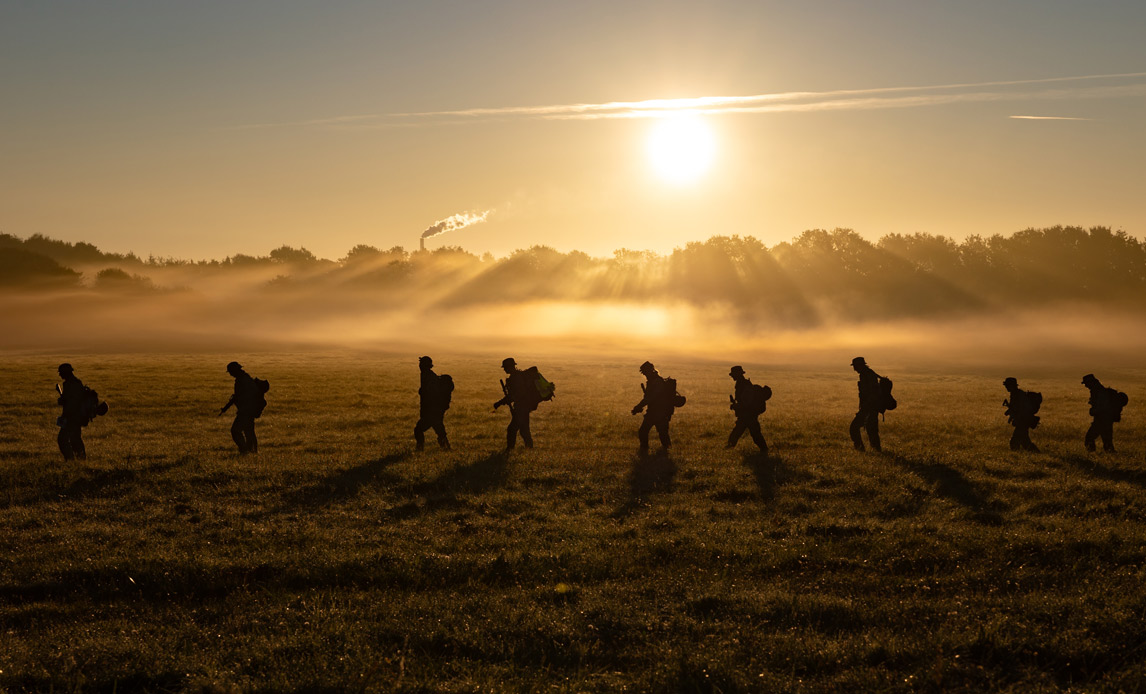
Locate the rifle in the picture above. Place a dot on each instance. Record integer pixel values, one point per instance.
(508, 402)
(732, 399)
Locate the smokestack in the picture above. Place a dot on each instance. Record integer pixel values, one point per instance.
(457, 221)
(422, 243)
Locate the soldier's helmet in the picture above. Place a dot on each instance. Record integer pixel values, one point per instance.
(736, 371)
(1010, 381)
(508, 363)
(234, 368)
(1089, 379)
(66, 368)
(426, 362)
(647, 367)
(859, 361)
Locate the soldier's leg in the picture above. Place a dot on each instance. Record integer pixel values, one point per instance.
(854, 430)
(872, 426)
(1027, 443)
(419, 436)
(64, 440)
(439, 427)
(78, 444)
(663, 432)
(643, 432)
(523, 427)
(757, 435)
(1108, 436)
(1017, 438)
(511, 434)
(237, 434)
(1091, 435)
(737, 431)
(252, 440)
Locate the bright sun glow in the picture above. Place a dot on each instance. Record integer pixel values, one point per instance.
(681, 148)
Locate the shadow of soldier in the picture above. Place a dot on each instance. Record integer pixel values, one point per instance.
(345, 484)
(951, 484)
(648, 474)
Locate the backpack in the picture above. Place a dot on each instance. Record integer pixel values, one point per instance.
(1118, 400)
(675, 398)
(886, 401)
(542, 389)
(445, 391)
(91, 406)
(756, 399)
(1035, 400)
(259, 396)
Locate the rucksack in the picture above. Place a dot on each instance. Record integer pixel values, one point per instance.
(259, 396)
(1035, 400)
(445, 390)
(756, 399)
(675, 398)
(886, 401)
(542, 389)
(91, 406)
(1118, 400)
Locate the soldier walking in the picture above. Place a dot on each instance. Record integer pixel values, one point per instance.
(749, 402)
(870, 398)
(521, 402)
(73, 417)
(1022, 408)
(434, 399)
(660, 398)
(249, 404)
(1105, 408)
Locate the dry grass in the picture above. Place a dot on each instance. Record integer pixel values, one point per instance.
(339, 560)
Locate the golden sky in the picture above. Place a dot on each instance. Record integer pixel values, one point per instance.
(206, 129)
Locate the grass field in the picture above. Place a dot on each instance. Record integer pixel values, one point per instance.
(340, 560)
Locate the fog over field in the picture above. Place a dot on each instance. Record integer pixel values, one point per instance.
(1039, 296)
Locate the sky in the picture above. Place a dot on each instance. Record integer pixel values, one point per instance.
(209, 128)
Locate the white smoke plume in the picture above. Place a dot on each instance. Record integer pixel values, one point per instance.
(457, 221)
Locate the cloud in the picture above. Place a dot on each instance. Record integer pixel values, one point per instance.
(1119, 85)
(1048, 118)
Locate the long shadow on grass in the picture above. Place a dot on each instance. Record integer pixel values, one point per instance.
(345, 484)
(442, 492)
(94, 484)
(767, 472)
(650, 474)
(1096, 469)
(952, 485)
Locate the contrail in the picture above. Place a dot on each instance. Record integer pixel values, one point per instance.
(841, 99)
(779, 102)
(453, 222)
(1048, 118)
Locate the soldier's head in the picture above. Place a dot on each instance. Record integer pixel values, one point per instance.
(65, 370)
(858, 363)
(508, 365)
(736, 373)
(234, 369)
(647, 368)
(425, 363)
(1011, 383)
(1090, 381)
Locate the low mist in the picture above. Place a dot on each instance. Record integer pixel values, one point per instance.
(1039, 296)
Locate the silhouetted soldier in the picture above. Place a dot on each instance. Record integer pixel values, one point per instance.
(521, 402)
(434, 399)
(749, 402)
(1106, 408)
(660, 394)
(1022, 408)
(249, 403)
(74, 415)
(870, 398)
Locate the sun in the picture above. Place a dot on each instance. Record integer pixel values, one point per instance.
(681, 147)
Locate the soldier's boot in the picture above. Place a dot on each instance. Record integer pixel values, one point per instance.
(444, 443)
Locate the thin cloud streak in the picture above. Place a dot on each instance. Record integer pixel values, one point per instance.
(780, 102)
(758, 103)
(1048, 118)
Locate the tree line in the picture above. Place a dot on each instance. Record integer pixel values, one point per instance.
(816, 276)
